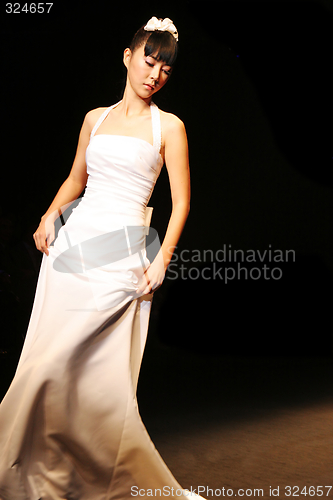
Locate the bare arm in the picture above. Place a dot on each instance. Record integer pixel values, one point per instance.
(177, 164)
(70, 189)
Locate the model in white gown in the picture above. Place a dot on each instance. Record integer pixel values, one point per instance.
(69, 424)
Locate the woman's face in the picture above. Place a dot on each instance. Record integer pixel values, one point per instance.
(145, 74)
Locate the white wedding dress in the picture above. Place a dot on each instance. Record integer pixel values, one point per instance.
(70, 428)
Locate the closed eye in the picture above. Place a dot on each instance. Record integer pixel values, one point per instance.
(151, 65)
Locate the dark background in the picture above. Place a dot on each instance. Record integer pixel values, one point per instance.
(253, 84)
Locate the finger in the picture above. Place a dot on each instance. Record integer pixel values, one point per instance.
(50, 238)
(38, 246)
(44, 249)
(147, 291)
(156, 287)
(144, 283)
(143, 289)
(41, 245)
(38, 240)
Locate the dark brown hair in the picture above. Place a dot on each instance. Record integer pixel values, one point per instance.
(161, 44)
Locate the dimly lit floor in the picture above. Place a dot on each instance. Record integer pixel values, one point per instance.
(241, 423)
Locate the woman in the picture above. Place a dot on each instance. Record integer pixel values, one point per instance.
(70, 426)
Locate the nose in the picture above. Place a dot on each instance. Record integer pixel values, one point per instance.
(155, 74)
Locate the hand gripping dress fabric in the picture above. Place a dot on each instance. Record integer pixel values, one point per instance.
(70, 427)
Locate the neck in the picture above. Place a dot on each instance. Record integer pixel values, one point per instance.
(132, 104)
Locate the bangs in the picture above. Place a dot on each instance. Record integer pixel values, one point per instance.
(163, 46)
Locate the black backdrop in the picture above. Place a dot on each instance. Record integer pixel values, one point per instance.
(253, 85)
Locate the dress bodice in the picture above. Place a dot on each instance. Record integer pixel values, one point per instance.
(123, 169)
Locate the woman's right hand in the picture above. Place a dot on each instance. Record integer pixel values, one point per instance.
(44, 234)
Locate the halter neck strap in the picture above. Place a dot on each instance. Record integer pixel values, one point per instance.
(102, 118)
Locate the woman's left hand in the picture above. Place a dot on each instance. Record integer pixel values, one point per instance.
(153, 276)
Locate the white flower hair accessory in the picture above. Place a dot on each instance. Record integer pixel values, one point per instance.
(166, 24)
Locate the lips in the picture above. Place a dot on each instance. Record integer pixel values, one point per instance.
(148, 86)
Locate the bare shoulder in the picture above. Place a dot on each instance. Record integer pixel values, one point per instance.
(92, 117)
(171, 124)
(174, 142)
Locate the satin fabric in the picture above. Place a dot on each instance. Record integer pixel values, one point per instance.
(69, 424)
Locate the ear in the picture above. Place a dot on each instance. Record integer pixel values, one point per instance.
(127, 57)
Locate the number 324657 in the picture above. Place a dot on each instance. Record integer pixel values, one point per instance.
(28, 8)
